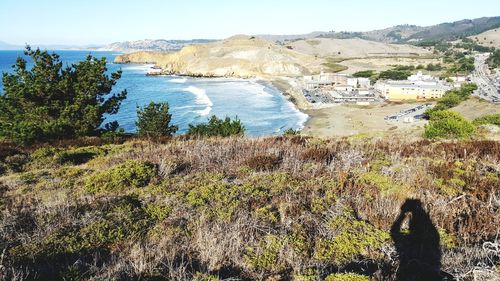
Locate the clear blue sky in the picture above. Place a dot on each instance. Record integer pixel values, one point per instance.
(106, 21)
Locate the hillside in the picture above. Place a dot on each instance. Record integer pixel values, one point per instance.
(239, 56)
(7, 46)
(246, 209)
(408, 33)
(354, 48)
(457, 29)
(490, 38)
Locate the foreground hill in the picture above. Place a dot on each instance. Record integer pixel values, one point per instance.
(490, 38)
(239, 56)
(354, 48)
(245, 209)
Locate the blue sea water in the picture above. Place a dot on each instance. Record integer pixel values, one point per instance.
(261, 107)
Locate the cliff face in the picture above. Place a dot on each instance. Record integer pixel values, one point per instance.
(239, 56)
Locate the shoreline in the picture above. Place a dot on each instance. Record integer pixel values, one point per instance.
(332, 120)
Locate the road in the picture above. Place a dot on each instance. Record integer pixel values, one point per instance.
(488, 88)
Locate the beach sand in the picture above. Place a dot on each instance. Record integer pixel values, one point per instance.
(350, 120)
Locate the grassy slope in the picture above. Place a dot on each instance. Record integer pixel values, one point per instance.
(269, 208)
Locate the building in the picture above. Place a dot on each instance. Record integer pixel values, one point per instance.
(335, 80)
(421, 77)
(408, 90)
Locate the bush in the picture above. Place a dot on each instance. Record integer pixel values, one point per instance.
(453, 98)
(51, 156)
(493, 119)
(434, 67)
(290, 132)
(448, 124)
(364, 74)
(353, 239)
(263, 162)
(394, 74)
(131, 174)
(217, 127)
(154, 121)
(265, 256)
(71, 101)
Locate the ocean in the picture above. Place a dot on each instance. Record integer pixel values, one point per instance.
(262, 108)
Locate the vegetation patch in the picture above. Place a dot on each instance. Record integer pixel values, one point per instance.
(131, 174)
(263, 162)
(332, 65)
(448, 124)
(346, 277)
(265, 256)
(217, 128)
(351, 239)
(493, 119)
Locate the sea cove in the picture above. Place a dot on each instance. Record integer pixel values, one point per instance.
(261, 107)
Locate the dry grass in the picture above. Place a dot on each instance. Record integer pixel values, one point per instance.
(246, 209)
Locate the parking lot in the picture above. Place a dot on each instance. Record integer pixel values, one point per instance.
(416, 113)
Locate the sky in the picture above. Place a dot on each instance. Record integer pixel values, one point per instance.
(81, 22)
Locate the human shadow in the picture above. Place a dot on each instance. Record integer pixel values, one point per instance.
(418, 247)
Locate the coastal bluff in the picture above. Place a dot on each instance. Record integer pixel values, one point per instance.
(238, 56)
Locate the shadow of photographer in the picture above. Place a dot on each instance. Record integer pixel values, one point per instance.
(418, 247)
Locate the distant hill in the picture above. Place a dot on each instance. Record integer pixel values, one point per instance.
(405, 33)
(7, 46)
(457, 29)
(152, 45)
(490, 38)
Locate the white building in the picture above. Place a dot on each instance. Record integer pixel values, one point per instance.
(421, 77)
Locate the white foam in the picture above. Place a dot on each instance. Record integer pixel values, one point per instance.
(178, 80)
(201, 98)
(205, 112)
(142, 68)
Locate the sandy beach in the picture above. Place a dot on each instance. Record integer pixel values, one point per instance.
(350, 120)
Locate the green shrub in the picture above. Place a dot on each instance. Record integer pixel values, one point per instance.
(493, 119)
(50, 101)
(213, 196)
(453, 98)
(154, 120)
(364, 74)
(217, 128)
(290, 132)
(80, 155)
(51, 156)
(346, 277)
(448, 124)
(353, 239)
(265, 256)
(394, 74)
(131, 174)
(309, 274)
